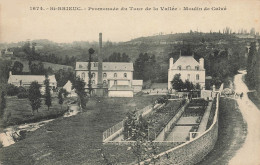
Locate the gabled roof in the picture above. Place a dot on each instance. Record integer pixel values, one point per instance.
(120, 88)
(30, 78)
(185, 61)
(107, 66)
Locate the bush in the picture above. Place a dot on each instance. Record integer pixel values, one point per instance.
(22, 95)
(11, 90)
(21, 89)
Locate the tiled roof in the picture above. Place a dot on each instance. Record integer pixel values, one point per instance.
(137, 82)
(30, 78)
(114, 66)
(120, 88)
(185, 61)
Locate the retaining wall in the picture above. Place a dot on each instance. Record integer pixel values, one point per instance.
(195, 150)
(161, 136)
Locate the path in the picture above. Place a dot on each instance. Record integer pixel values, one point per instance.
(249, 153)
(239, 131)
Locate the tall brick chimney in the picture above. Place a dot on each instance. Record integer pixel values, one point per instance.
(100, 91)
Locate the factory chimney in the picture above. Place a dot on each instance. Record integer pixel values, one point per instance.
(100, 91)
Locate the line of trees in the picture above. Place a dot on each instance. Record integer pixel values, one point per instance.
(253, 68)
(117, 57)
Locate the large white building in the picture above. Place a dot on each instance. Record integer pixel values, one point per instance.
(188, 68)
(117, 77)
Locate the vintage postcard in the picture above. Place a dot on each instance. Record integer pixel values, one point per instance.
(129, 82)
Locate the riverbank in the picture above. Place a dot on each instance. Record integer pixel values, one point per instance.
(76, 139)
(18, 111)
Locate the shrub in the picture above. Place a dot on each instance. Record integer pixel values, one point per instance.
(11, 90)
(22, 95)
(21, 89)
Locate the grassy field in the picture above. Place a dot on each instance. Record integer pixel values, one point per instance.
(231, 135)
(18, 111)
(77, 139)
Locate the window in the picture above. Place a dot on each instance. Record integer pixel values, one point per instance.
(197, 67)
(188, 67)
(115, 75)
(95, 64)
(125, 75)
(80, 66)
(188, 76)
(179, 67)
(104, 75)
(115, 82)
(93, 81)
(83, 75)
(21, 82)
(197, 76)
(105, 82)
(93, 75)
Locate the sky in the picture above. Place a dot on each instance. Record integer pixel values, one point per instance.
(19, 23)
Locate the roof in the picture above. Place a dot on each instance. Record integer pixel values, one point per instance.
(185, 61)
(30, 78)
(107, 66)
(137, 82)
(120, 88)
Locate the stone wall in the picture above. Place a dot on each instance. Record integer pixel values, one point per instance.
(195, 150)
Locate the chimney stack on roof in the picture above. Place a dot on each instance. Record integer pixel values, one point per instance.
(100, 60)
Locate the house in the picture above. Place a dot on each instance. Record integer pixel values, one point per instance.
(188, 68)
(26, 80)
(68, 88)
(117, 77)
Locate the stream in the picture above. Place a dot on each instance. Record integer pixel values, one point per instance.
(12, 134)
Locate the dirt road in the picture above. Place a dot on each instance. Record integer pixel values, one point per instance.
(250, 151)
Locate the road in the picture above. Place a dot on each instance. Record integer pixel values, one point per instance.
(249, 153)
(239, 131)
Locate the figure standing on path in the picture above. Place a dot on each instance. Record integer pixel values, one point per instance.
(241, 95)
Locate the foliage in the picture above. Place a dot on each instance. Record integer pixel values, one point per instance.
(91, 51)
(17, 68)
(177, 83)
(37, 69)
(4, 70)
(117, 57)
(11, 90)
(47, 95)
(62, 77)
(60, 97)
(79, 86)
(189, 85)
(2, 104)
(22, 95)
(252, 77)
(35, 96)
(135, 127)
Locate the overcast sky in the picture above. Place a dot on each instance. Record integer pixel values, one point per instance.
(19, 23)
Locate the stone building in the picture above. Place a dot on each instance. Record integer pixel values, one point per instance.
(188, 68)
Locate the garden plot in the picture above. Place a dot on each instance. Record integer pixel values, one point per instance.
(189, 122)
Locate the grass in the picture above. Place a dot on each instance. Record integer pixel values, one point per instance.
(77, 139)
(253, 96)
(18, 111)
(231, 135)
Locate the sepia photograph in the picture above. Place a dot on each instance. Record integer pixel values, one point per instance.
(147, 82)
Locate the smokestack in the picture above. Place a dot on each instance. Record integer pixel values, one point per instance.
(100, 60)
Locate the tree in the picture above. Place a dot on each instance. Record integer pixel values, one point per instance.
(47, 92)
(188, 85)
(79, 86)
(2, 104)
(60, 97)
(17, 68)
(90, 51)
(35, 96)
(177, 83)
